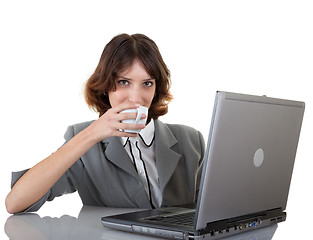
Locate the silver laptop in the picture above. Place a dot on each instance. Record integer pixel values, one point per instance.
(246, 174)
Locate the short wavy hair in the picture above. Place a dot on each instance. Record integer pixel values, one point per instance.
(117, 56)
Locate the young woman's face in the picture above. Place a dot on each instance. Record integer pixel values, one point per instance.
(133, 85)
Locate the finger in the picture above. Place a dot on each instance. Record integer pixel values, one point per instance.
(126, 134)
(127, 115)
(125, 106)
(130, 126)
(130, 115)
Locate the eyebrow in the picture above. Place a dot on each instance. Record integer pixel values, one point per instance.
(126, 78)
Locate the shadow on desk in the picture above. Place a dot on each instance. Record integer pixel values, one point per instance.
(88, 226)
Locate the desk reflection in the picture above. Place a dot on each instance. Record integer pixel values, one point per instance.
(88, 226)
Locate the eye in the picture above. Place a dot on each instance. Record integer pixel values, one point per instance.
(148, 83)
(123, 82)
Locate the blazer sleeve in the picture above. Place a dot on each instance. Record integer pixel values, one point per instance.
(67, 183)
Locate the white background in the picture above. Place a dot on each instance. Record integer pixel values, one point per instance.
(49, 49)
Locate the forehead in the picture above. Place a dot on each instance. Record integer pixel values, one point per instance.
(135, 71)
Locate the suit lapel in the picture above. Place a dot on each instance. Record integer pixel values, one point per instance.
(116, 154)
(166, 158)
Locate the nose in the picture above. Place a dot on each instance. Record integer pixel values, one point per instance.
(135, 95)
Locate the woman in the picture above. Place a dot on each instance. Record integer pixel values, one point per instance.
(160, 166)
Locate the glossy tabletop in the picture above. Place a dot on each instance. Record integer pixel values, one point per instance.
(88, 226)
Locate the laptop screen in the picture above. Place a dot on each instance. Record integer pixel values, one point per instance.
(250, 156)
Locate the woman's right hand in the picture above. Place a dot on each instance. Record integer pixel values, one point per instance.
(110, 123)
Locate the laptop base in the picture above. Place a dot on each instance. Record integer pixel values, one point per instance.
(214, 230)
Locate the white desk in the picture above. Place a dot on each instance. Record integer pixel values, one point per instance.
(88, 226)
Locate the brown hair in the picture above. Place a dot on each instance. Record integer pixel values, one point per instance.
(118, 55)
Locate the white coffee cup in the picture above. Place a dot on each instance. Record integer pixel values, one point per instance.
(140, 111)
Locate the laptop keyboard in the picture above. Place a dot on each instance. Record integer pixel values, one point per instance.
(185, 218)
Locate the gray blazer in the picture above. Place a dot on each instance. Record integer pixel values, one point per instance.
(105, 175)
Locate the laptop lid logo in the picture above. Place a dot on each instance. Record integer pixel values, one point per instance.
(258, 157)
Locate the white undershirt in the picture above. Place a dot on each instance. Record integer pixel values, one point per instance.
(144, 161)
